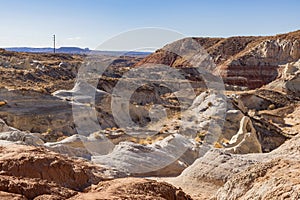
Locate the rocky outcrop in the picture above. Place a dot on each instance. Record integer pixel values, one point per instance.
(202, 121)
(28, 188)
(288, 80)
(272, 180)
(231, 176)
(133, 188)
(292, 85)
(243, 61)
(260, 63)
(9, 196)
(177, 149)
(81, 146)
(267, 110)
(29, 172)
(32, 171)
(32, 162)
(36, 173)
(72, 146)
(163, 158)
(213, 142)
(19, 136)
(37, 112)
(39, 72)
(211, 171)
(245, 140)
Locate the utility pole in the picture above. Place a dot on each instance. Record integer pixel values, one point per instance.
(54, 43)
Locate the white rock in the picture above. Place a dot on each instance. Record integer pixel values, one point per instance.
(19, 136)
(245, 141)
(135, 158)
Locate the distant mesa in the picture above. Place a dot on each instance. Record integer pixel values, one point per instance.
(75, 50)
(48, 50)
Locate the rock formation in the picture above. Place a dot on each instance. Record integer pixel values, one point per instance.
(62, 138)
(242, 61)
(135, 189)
(288, 80)
(164, 158)
(32, 172)
(35, 173)
(272, 180)
(245, 140)
(37, 112)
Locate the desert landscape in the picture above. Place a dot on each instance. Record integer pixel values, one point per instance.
(237, 140)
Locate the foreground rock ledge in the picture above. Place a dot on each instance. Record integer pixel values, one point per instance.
(29, 172)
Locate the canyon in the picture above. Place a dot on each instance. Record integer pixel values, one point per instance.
(200, 118)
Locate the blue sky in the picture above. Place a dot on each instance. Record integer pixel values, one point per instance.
(88, 23)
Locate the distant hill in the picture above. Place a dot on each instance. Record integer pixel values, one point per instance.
(74, 50)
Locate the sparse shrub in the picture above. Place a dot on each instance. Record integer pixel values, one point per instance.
(2, 103)
(133, 139)
(224, 141)
(200, 136)
(218, 145)
(159, 138)
(198, 139)
(49, 130)
(271, 107)
(147, 140)
(41, 90)
(61, 138)
(97, 135)
(209, 104)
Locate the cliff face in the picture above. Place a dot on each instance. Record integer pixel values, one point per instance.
(243, 61)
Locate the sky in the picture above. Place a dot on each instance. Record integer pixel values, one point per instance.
(88, 23)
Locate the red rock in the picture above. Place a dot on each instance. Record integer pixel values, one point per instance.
(243, 61)
(132, 188)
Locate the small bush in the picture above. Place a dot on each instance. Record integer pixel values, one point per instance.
(218, 145)
(271, 107)
(2, 103)
(49, 130)
(97, 135)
